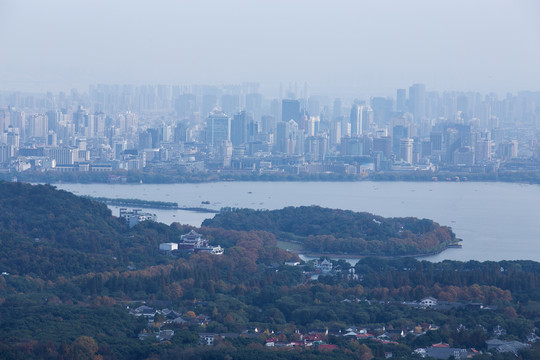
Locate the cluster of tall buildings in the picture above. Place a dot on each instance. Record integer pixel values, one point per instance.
(237, 128)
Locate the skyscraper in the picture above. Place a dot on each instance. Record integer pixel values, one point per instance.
(287, 135)
(417, 101)
(254, 105)
(383, 144)
(483, 150)
(218, 128)
(401, 100)
(185, 104)
(209, 101)
(406, 150)
(399, 132)
(290, 110)
(4, 119)
(230, 104)
(336, 109)
(239, 128)
(382, 108)
(356, 120)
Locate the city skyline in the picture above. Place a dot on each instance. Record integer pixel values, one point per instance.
(156, 127)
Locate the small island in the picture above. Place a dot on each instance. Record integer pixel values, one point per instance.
(341, 232)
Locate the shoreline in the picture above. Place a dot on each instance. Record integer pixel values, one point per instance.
(531, 177)
(359, 256)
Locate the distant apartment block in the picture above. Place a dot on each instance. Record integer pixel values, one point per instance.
(133, 217)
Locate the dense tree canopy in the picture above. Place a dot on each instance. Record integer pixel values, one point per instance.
(72, 272)
(341, 231)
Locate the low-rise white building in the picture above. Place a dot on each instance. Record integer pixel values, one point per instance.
(135, 216)
(168, 246)
(325, 266)
(428, 301)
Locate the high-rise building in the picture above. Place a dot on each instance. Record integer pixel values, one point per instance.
(417, 101)
(287, 137)
(425, 148)
(230, 104)
(316, 148)
(282, 136)
(209, 102)
(268, 124)
(452, 142)
(335, 132)
(37, 126)
(336, 109)
(79, 120)
(464, 156)
(401, 100)
(399, 132)
(406, 150)
(18, 120)
(436, 139)
(53, 118)
(63, 155)
(252, 129)
(218, 128)
(180, 133)
(99, 124)
(4, 119)
(356, 145)
(383, 144)
(290, 110)
(382, 108)
(367, 119)
(356, 120)
(483, 150)
(52, 139)
(314, 105)
(145, 140)
(508, 150)
(185, 104)
(254, 105)
(239, 128)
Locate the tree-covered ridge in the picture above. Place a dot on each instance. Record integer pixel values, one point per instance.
(344, 231)
(55, 216)
(47, 233)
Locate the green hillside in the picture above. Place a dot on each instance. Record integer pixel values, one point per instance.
(46, 232)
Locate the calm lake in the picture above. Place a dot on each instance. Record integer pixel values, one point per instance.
(497, 221)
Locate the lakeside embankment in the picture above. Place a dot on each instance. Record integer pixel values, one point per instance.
(298, 249)
(148, 177)
(149, 204)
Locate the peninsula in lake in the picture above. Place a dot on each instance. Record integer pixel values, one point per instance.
(333, 231)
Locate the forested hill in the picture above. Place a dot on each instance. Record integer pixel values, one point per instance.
(332, 231)
(48, 232)
(50, 215)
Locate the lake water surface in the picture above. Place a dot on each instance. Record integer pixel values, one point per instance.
(497, 221)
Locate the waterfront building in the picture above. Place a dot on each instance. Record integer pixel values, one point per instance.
(406, 150)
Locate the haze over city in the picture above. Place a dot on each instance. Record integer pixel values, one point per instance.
(279, 180)
(339, 48)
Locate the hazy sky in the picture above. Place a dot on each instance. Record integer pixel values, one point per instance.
(338, 47)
